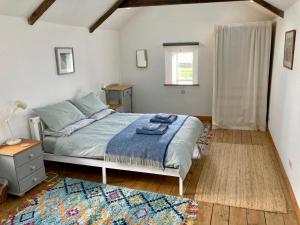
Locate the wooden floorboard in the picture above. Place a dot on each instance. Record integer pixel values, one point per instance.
(228, 136)
(237, 216)
(220, 215)
(237, 137)
(246, 137)
(290, 219)
(255, 217)
(205, 213)
(209, 214)
(274, 219)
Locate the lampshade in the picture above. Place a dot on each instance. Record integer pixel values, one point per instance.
(14, 141)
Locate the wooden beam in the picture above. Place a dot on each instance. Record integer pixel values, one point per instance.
(270, 7)
(40, 11)
(142, 3)
(106, 15)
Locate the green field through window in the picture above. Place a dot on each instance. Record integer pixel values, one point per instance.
(185, 73)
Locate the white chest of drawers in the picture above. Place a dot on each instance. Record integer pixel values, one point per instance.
(23, 166)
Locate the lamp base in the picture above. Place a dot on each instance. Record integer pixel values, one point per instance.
(13, 141)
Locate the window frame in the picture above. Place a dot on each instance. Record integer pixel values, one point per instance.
(170, 51)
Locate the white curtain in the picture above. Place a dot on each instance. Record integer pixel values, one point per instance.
(241, 72)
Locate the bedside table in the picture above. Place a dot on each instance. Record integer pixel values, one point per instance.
(117, 107)
(120, 96)
(22, 165)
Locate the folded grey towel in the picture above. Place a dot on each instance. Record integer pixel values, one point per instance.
(167, 121)
(163, 116)
(151, 126)
(160, 131)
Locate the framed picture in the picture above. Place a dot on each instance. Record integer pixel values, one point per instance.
(141, 58)
(289, 49)
(64, 60)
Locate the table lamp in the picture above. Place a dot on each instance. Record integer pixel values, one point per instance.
(13, 140)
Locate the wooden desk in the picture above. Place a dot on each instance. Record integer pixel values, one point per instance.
(119, 87)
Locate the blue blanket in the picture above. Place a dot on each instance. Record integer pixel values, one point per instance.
(143, 150)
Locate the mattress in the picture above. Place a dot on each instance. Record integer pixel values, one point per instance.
(91, 141)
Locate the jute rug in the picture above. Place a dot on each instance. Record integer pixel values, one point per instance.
(241, 176)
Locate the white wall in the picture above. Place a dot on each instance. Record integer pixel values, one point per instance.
(28, 66)
(153, 26)
(285, 100)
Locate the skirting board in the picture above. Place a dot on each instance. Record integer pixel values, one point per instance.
(205, 118)
(286, 179)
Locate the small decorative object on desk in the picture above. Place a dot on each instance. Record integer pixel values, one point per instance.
(22, 165)
(3, 190)
(119, 97)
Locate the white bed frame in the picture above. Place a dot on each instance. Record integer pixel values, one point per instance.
(36, 128)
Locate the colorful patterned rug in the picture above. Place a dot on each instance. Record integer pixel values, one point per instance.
(74, 201)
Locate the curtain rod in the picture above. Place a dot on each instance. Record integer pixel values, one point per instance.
(180, 44)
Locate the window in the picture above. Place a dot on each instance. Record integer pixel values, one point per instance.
(181, 64)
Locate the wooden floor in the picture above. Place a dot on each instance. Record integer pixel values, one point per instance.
(209, 214)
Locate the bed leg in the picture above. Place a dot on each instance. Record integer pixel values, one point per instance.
(104, 175)
(180, 186)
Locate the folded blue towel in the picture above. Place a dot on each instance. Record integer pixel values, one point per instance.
(168, 121)
(159, 131)
(151, 126)
(163, 116)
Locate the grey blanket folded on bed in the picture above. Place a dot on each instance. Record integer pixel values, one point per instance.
(152, 129)
(143, 150)
(168, 120)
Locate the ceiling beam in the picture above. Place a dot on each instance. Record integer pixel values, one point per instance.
(270, 7)
(142, 3)
(106, 15)
(40, 11)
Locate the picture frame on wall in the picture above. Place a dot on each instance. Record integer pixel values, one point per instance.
(289, 49)
(64, 60)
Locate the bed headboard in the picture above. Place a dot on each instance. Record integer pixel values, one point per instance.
(36, 128)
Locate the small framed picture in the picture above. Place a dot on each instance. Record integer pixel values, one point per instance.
(64, 60)
(141, 58)
(289, 49)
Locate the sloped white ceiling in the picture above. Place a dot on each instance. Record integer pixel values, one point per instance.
(18, 8)
(85, 12)
(120, 18)
(70, 12)
(282, 4)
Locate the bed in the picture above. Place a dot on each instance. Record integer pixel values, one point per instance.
(87, 146)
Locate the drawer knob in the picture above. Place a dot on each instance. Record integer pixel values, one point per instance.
(31, 156)
(32, 168)
(34, 179)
